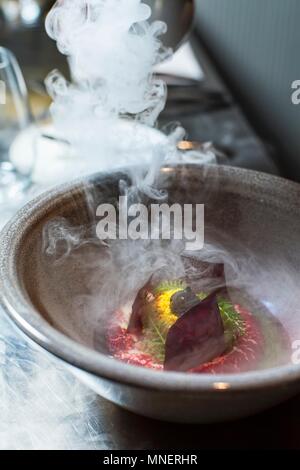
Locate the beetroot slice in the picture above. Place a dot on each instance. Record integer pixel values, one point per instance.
(144, 296)
(196, 338)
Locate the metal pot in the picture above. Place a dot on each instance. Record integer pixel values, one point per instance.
(179, 16)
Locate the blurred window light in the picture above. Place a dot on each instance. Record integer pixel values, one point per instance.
(30, 11)
(26, 12)
(221, 386)
(11, 10)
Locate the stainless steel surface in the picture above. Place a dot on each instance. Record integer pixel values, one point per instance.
(44, 407)
(179, 16)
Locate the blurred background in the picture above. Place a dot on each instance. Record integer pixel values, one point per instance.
(256, 45)
(247, 49)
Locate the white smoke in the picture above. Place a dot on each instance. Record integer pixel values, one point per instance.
(111, 50)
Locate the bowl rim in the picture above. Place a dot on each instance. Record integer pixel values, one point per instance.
(22, 312)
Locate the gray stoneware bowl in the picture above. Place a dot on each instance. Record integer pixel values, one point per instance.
(259, 210)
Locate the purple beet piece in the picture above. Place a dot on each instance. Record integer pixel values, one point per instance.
(196, 337)
(144, 296)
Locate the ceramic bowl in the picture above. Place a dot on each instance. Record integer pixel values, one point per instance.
(259, 211)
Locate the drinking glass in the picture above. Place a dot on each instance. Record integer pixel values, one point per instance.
(15, 118)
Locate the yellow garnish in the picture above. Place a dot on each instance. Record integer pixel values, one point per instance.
(162, 302)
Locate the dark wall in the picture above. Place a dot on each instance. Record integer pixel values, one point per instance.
(257, 45)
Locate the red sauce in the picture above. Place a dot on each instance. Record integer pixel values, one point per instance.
(244, 356)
